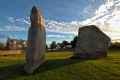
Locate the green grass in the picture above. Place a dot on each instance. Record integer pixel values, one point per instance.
(58, 66)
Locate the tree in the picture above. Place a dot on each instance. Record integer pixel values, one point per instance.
(53, 45)
(64, 44)
(2, 47)
(46, 46)
(74, 41)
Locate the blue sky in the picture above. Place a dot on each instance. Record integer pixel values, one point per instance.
(67, 10)
(63, 17)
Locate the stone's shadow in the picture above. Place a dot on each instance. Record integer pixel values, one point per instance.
(53, 64)
(11, 71)
(14, 71)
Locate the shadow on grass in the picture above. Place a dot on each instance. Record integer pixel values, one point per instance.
(14, 71)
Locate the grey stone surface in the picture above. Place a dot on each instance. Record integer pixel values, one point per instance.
(91, 43)
(36, 42)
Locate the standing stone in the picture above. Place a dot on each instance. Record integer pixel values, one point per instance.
(92, 43)
(36, 42)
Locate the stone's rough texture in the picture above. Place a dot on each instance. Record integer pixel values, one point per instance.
(92, 43)
(36, 42)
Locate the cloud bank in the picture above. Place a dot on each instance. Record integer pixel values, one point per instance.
(106, 17)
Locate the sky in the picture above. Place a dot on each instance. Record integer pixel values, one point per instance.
(62, 17)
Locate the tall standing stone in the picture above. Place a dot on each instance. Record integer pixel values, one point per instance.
(36, 42)
(92, 43)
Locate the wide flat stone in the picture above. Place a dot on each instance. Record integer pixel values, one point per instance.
(91, 43)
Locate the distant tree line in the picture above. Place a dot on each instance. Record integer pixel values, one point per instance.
(115, 46)
(2, 46)
(64, 45)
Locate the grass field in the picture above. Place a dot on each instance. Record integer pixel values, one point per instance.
(58, 66)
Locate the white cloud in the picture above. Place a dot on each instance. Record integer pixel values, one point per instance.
(93, 0)
(63, 27)
(107, 17)
(89, 10)
(11, 19)
(21, 20)
(12, 28)
(55, 36)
